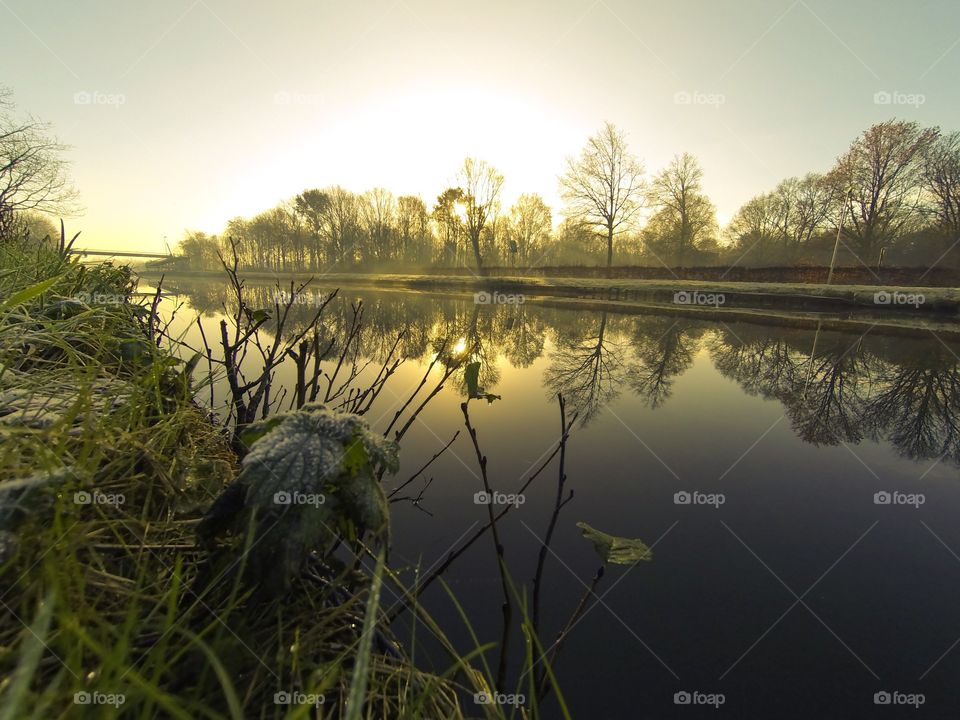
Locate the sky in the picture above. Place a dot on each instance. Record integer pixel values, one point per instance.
(186, 113)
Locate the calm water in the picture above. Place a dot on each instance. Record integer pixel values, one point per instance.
(797, 597)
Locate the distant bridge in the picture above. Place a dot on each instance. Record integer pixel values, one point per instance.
(122, 253)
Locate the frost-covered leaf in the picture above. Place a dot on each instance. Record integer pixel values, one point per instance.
(616, 550)
(309, 475)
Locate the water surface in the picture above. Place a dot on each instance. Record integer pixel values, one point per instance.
(801, 595)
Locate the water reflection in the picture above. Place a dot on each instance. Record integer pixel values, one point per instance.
(835, 387)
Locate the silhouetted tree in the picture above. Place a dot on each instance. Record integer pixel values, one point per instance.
(941, 179)
(531, 223)
(878, 183)
(683, 215)
(33, 174)
(603, 187)
(481, 185)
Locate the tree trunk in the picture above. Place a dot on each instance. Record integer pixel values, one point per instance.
(475, 242)
(609, 252)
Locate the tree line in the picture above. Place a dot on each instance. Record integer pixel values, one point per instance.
(893, 196)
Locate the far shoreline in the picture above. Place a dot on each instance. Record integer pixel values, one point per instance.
(897, 299)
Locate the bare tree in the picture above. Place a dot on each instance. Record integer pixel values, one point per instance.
(754, 229)
(684, 217)
(776, 226)
(604, 186)
(531, 223)
(33, 174)
(481, 185)
(449, 224)
(879, 181)
(803, 206)
(379, 209)
(413, 230)
(941, 179)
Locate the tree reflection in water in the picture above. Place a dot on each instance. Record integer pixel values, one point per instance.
(835, 387)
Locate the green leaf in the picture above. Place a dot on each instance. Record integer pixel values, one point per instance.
(15, 703)
(256, 430)
(471, 374)
(616, 550)
(27, 294)
(356, 456)
(361, 667)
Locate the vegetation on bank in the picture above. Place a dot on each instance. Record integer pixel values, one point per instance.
(160, 562)
(108, 464)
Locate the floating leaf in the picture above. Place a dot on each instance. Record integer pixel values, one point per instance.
(471, 375)
(616, 550)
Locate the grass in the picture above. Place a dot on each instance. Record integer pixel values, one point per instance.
(106, 465)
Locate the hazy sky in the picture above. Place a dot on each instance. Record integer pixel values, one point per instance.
(185, 113)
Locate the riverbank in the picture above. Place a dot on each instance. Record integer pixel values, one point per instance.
(107, 464)
(944, 303)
